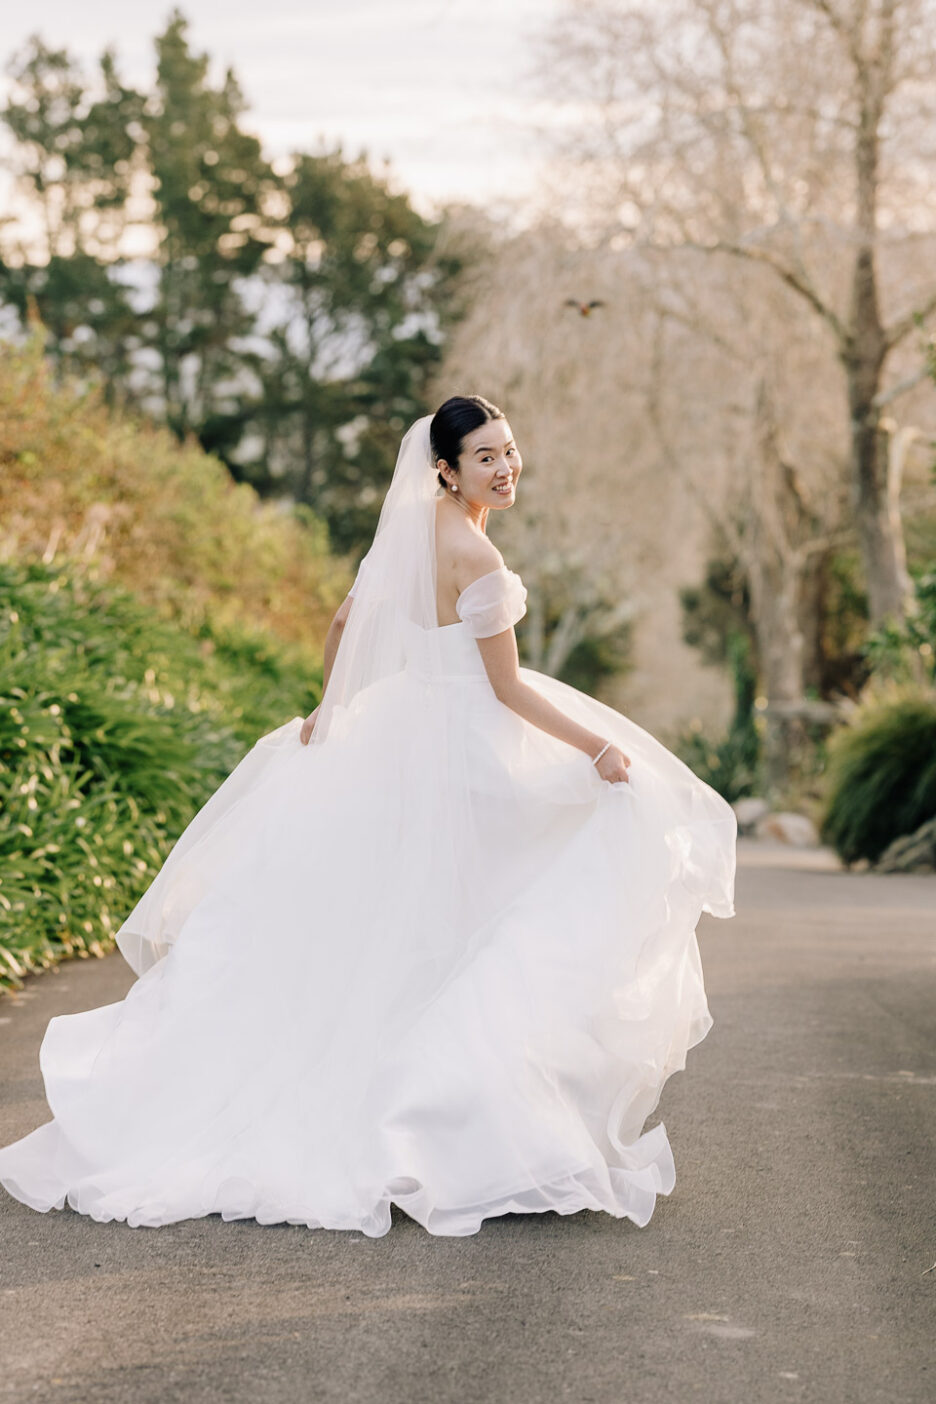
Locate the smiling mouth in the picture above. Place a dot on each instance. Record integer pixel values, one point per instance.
(503, 489)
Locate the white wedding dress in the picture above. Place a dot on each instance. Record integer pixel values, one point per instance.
(352, 994)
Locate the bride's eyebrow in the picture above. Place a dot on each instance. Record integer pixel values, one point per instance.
(486, 448)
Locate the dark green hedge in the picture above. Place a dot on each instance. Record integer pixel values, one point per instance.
(881, 776)
(115, 727)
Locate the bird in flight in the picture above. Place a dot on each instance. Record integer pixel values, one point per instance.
(583, 307)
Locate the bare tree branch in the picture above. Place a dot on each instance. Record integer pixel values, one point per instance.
(846, 32)
(904, 325)
(788, 275)
(909, 382)
(755, 141)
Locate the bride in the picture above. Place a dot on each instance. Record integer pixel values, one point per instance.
(433, 946)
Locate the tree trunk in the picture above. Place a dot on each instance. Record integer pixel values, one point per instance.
(781, 526)
(775, 610)
(880, 533)
(305, 493)
(865, 349)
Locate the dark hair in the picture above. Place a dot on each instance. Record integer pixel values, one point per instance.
(453, 420)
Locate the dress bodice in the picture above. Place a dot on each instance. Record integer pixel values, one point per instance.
(490, 604)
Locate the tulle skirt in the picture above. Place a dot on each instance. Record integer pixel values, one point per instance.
(435, 961)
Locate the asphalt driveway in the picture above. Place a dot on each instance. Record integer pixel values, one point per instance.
(790, 1262)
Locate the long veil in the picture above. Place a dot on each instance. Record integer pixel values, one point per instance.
(395, 734)
(396, 590)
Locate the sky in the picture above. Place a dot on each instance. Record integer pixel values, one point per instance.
(443, 88)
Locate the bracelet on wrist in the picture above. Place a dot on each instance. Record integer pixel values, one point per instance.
(596, 759)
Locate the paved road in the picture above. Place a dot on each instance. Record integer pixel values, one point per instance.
(788, 1264)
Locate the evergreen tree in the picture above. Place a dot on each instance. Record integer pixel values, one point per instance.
(209, 184)
(76, 154)
(362, 329)
(289, 321)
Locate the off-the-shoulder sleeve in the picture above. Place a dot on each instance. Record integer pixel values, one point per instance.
(492, 603)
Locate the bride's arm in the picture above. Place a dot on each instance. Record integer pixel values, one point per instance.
(332, 640)
(501, 662)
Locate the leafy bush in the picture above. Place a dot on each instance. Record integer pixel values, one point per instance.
(908, 653)
(881, 772)
(115, 727)
(729, 765)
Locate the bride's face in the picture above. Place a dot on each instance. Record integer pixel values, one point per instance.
(489, 466)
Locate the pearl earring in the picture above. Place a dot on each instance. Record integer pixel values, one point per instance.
(454, 487)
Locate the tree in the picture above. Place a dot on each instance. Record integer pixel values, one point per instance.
(792, 136)
(577, 532)
(75, 156)
(209, 182)
(720, 391)
(364, 290)
(288, 318)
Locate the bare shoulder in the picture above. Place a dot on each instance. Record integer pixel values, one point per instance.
(479, 557)
(462, 554)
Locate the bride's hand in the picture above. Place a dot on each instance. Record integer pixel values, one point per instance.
(307, 725)
(613, 765)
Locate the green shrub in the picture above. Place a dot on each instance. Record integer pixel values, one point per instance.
(881, 773)
(729, 765)
(908, 653)
(115, 727)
